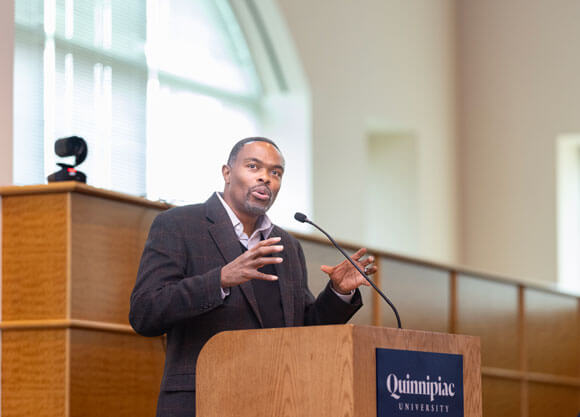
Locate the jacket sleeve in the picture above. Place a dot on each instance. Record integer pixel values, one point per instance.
(163, 295)
(327, 308)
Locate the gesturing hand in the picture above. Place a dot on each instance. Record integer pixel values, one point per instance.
(245, 267)
(345, 277)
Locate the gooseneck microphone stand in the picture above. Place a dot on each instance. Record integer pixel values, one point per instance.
(303, 219)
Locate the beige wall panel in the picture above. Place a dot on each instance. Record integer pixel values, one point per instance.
(489, 309)
(33, 373)
(107, 240)
(421, 296)
(553, 400)
(114, 374)
(316, 255)
(501, 397)
(552, 333)
(34, 256)
(519, 90)
(394, 71)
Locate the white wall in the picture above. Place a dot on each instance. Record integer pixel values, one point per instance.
(520, 89)
(375, 66)
(383, 66)
(6, 68)
(6, 65)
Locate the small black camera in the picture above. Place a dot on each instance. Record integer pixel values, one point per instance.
(71, 146)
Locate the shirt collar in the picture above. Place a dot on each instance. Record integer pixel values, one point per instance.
(264, 224)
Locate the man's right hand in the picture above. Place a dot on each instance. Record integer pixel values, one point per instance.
(245, 267)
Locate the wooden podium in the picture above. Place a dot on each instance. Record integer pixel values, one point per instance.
(319, 371)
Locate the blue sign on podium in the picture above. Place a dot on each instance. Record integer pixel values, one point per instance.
(417, 384)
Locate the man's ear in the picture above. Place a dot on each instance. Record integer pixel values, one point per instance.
(226, 170)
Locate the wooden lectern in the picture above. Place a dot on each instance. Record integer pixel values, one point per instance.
(318, 371)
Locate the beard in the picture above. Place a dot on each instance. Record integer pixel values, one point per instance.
(258, 208)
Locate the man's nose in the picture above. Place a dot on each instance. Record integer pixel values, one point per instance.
(264, 177)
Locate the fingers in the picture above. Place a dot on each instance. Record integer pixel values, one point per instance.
(359, 254)
(370, 270)
(268, 242)
(265, 251)
(327, 269)
(260, 262)
(265, 277)
(266, 247)
(367, 261)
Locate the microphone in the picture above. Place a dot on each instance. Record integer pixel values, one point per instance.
(302, 218)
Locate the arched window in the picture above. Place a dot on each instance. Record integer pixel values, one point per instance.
(160, 90)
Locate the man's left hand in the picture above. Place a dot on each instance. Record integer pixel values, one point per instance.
(345, 278)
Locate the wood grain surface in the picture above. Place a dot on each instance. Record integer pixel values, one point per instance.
(107, 240)
(69, 263)
(114, 374)
(552, 331)
(274, 378)
(501, 397)
(490, 310)
(313, 371)
(421, 296)
(34, 373)
(69, 259)
(34, 256)
(551, 400)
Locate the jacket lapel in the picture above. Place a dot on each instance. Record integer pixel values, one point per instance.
(284, 280)
(222, 232)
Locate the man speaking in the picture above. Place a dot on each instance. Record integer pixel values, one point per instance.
(223, 265)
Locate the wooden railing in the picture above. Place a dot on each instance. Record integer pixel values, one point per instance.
(530, 331)
(86, 240)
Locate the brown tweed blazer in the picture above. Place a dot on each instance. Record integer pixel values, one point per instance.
(178, 288)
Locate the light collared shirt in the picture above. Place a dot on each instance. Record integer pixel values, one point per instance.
(262, 231)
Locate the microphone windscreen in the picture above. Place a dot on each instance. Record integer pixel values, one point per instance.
(300, 217)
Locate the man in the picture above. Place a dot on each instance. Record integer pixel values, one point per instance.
(223, 265)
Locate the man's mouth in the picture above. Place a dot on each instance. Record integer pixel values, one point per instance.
(261, 193)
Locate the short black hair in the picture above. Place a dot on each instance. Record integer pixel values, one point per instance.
(238, 147)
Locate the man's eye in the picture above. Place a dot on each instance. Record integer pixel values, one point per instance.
(277, 173)
(252, 166)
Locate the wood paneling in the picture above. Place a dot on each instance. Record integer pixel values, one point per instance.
(553, 400)
(501, 397)
(421, 296)
(114, 374)
(34, 373)
(107, 240)
(79, 372)
(552, 329)
(489, 309)
(69, 263)
(34, 256)
(69, 260)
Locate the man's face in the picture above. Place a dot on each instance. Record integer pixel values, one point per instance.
(254, 178)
